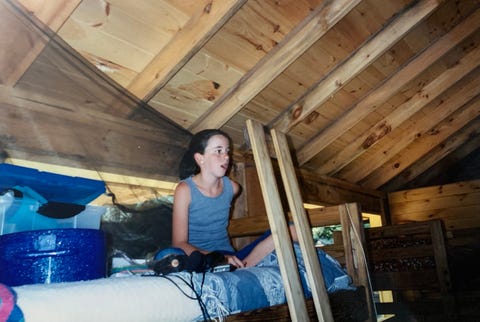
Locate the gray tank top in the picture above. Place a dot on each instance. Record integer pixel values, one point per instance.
(208, 217)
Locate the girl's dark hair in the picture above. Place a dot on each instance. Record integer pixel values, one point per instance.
(198, 143)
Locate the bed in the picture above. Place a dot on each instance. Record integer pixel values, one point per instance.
(140, 295)
(134, 293)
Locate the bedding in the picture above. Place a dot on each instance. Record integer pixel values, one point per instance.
(9, 311)
(140, 295)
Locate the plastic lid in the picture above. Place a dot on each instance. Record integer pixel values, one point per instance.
(51, 186)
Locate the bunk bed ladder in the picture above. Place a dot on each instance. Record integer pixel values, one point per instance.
(278, 224)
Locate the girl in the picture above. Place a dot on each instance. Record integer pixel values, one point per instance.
(202, 201)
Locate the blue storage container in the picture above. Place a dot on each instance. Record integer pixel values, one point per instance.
(51, 256)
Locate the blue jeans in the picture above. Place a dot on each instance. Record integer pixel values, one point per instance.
(243, 253)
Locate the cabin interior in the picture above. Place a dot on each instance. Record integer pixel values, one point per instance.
(379, 101)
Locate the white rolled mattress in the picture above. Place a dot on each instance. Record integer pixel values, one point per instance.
(132, 298)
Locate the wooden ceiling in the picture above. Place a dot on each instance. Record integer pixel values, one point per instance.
(379, 93)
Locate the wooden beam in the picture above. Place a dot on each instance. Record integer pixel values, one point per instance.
(52, 14)
(186, 43)
(303, 228)
(423, 145)
(354, 246)
(316, 189)
(414, 131)
(256, 225)
(353, 65)
(278, 224)
(276, 61)
(402, 113)
(387, 88)
(323, 190)
(469, 136)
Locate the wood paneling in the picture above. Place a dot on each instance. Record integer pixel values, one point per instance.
(457, 205)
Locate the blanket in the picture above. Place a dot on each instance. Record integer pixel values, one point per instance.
(9, 311)
(262, 286)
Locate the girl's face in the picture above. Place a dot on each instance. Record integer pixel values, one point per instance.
(216, 157)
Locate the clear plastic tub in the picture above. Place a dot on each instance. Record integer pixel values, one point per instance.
(17, 215)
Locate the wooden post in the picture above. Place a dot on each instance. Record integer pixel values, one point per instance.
(278, 224)
(354, 246)
(302, 226)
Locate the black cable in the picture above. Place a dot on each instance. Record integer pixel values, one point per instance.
(203, 307)
(198, 296)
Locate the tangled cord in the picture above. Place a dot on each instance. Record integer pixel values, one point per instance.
(198, 295)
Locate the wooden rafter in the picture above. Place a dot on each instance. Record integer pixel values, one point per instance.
(386, 89)
(413, 132)
(52, 15)
(198, 30)
(353, 65)
(276, 61)
(423, 145)
(466, 140)
(401, 114)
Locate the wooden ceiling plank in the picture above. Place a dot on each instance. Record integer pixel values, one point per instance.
(434, 138)
(52, 134)
(386, 89)
(189, 40)
(353, 65)
(402, 113)
(37, 103)
(53, 15)
(276, 61)
(417, 129)
(461, 143)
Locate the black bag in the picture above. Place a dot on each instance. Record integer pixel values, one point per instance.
(198, 262)
(195, 262)
(170, 264)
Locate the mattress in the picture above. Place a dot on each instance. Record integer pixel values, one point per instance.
(183, 296)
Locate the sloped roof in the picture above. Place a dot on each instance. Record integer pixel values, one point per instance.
(383, 94)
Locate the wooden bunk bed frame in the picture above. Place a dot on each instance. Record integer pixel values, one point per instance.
(349, 216)
(402, 242)
(356, 243)
(345, 306)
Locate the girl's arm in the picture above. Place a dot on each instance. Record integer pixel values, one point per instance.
(181, 202)
(236, 188)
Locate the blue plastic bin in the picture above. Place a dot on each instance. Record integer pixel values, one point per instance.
(51, 256)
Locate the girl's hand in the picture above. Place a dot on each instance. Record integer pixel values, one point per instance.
(233, 260)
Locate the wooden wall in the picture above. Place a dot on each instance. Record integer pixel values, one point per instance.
(457, 205)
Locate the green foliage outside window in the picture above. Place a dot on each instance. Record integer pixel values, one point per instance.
(324, 235)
